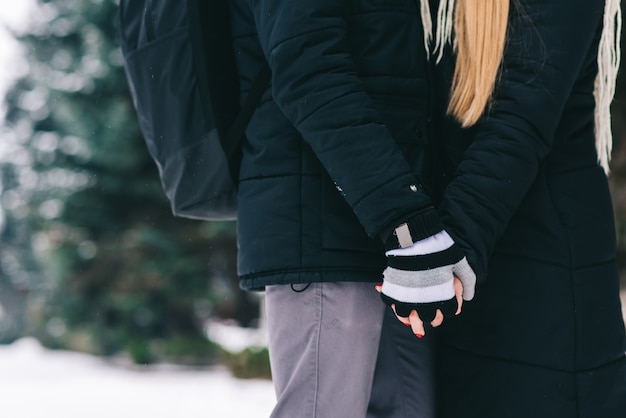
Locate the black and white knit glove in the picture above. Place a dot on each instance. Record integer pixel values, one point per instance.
(420, 276)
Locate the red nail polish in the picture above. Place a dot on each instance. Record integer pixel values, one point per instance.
(407, 325)
(419, 335)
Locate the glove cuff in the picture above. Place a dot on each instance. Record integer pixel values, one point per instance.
(420, 262)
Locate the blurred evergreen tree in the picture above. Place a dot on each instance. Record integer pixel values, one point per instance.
(110, 269)
(18, 267)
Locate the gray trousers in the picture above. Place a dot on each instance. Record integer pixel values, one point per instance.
(337, 351)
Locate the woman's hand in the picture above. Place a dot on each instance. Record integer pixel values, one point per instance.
(415, 322)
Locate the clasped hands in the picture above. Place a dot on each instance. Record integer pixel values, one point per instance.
(427, 282)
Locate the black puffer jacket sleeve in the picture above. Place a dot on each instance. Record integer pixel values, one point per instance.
(315, 84)
(548, 43)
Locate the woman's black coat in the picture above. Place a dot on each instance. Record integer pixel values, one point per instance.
(530, 205)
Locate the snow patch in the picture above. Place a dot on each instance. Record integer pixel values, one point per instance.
(234, 338)
(37, 383)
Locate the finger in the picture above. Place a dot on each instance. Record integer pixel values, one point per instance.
(417, 326)
(379, 288)
(402, 319)
(438, 319)
(458, 292)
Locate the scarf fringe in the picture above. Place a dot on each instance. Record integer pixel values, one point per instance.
(445, 26)
(609, 57)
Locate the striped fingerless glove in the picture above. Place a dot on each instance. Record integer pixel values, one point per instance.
(420, 275)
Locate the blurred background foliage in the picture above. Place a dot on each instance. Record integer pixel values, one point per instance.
(90, 257)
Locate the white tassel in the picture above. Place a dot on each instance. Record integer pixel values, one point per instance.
(445, 26)
(609, 56)
(427, 25)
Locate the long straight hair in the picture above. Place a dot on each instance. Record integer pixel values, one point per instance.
(480, 48)
(480, 31)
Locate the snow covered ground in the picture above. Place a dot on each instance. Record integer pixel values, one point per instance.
(39, 383)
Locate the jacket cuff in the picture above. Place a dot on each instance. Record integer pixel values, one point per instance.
(411, 228)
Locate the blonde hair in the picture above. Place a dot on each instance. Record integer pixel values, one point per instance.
(480, 48)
